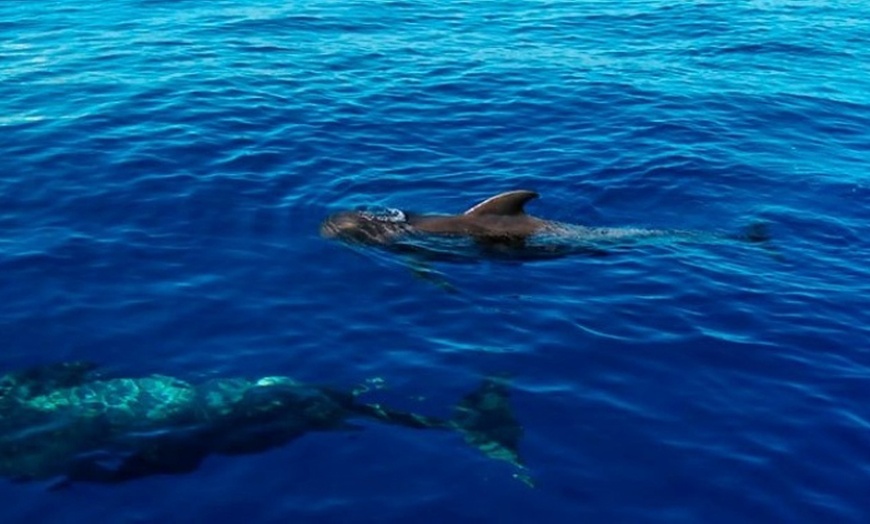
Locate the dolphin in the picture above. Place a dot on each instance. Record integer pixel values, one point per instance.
(68, 423)
(498, 227)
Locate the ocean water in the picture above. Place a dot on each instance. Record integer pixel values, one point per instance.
(164, 167)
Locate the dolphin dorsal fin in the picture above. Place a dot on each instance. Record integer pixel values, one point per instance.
(509, 203)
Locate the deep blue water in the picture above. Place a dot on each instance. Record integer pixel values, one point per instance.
(164, 166)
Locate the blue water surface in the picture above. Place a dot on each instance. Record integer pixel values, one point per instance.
(165, 164)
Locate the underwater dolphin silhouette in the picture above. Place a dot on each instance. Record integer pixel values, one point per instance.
(63, 421)
(497, 226)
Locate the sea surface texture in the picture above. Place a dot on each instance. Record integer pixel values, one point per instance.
(165, 166)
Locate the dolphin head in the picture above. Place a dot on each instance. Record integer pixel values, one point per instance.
(366, 227)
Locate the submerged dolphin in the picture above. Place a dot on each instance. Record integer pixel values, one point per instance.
(64, 422)
(498, 226)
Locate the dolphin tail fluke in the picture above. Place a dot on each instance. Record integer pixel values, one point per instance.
(756, 232)
(487, 421)
(484, 417)
(759, 233)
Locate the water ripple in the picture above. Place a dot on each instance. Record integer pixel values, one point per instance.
(166, 166)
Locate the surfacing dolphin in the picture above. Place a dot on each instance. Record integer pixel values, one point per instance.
(64, 422)
(498, 227)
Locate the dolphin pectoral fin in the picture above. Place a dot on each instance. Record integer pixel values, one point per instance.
(166, 455)
(487, 422)
(167, 458)
(99, 467)
(425, 272)
(510, 203)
